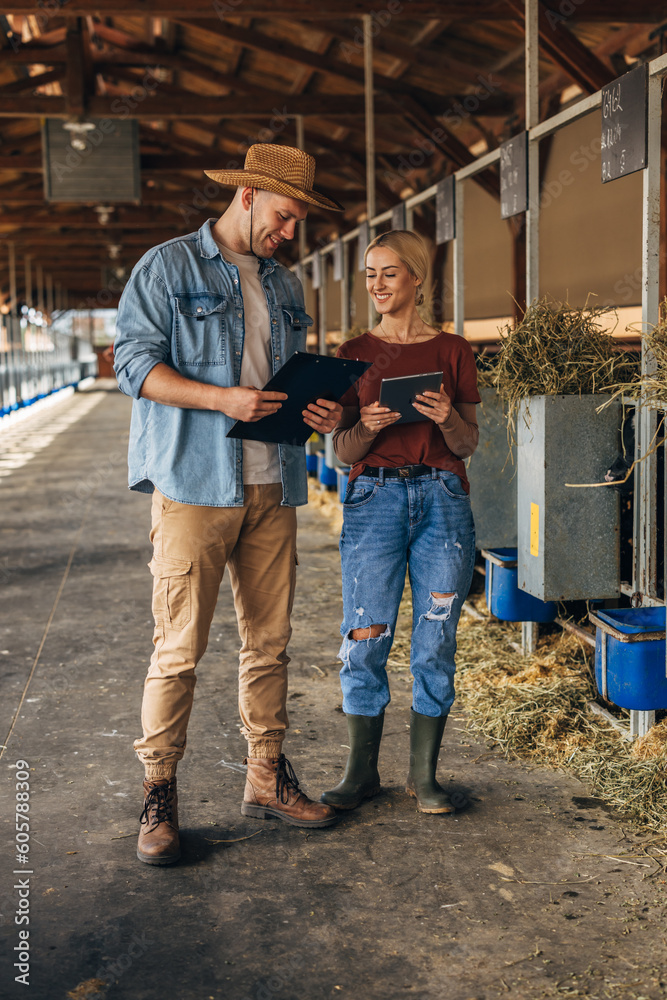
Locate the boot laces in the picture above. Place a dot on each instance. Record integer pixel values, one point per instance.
(286, 780)
(158, 803)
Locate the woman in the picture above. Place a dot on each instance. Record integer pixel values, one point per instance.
(406, 506)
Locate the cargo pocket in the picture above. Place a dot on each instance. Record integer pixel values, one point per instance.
(171, 592)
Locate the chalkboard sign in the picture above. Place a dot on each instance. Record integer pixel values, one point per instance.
(624, 114)
(364, 240)
(445, 219)
(317, 269)
(514, 176)
(398, 216)
(338, 261)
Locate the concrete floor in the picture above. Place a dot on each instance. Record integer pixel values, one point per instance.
(522, 894)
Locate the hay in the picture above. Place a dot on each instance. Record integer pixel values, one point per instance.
(652, 386)
(555, 349)
(654, 744)
(327, 503)
(535, 708)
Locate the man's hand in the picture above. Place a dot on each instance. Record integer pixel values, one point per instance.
(322, 415)
(244, 402)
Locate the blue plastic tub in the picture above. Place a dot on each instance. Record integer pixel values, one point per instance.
(630, 657)
(325, 474)
(311, 464)
(503, 597)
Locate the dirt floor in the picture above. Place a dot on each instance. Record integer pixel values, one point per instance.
(524, 893)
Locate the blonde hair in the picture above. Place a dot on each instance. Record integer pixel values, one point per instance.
(410, 250)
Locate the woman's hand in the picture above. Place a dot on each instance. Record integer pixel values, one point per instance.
(437, 406)
(375, 417)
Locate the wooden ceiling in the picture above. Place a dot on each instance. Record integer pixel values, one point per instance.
(205, 80)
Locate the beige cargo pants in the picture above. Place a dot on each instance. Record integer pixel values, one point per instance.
(191, 547)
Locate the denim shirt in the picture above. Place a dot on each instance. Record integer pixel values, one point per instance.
(183, 306)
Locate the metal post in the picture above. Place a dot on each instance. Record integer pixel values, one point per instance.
(370, 136)
(646, 471)
(322, 293)
(49, 296)
(28, 281)
(13, 297)
(532, 53)
(345, 291)
(39, 276)
(459, 284)
(301, 144)
(370, 117)
(529, 635)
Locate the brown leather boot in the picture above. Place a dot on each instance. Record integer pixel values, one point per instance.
(158, 832)
(272, 791)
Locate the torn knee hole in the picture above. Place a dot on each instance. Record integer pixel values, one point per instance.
(372, 632)
(441, 607)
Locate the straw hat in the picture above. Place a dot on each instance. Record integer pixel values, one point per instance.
(281, 169)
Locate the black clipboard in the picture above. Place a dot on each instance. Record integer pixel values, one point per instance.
(304, 377)
(399, 393)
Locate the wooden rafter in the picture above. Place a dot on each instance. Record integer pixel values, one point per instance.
(306, 10)
(566, 51)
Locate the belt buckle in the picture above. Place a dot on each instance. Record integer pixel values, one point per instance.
(404, 472)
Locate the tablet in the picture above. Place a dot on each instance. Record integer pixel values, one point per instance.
(305, 378)
(399, 394)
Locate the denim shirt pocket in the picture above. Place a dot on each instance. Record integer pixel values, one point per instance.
(296, 321)
(199, 328)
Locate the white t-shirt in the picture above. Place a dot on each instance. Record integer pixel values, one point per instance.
(261, 463)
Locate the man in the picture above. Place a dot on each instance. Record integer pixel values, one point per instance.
(204, 321)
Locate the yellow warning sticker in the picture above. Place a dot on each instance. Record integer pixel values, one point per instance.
(534, 529)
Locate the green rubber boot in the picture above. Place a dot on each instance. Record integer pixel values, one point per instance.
(361, 779)
(425, 739)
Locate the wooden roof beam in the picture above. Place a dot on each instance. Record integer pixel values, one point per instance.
(28, 53)
(305, 10)
(565, 49)
(437, 134)
(280, 49)
(76, 89)
(26, 83)
(192, 105)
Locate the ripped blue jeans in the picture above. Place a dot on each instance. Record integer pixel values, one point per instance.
(423, 524)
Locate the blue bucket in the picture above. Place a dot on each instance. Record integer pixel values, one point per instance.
(325, 474)
(630, 657)
(503, 597)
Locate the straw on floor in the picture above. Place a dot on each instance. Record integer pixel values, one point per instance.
(536, 708)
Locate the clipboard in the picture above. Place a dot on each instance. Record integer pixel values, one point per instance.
(399, 393)
(305, 378)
